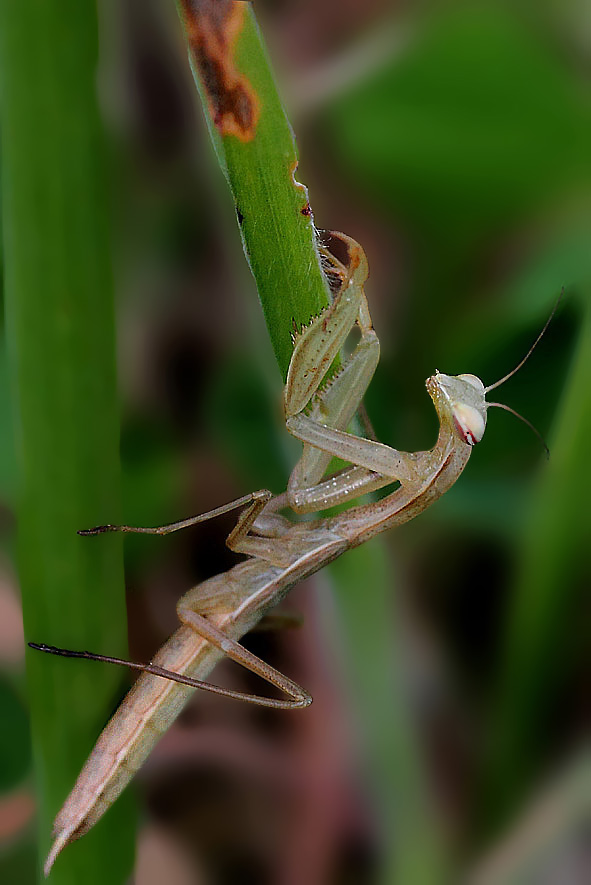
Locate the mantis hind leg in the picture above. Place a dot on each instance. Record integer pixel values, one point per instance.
(297, 696)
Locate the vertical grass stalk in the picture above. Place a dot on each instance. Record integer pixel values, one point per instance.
(60, 334)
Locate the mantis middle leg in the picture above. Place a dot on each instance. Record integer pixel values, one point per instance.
(194, 611)
(239, 540)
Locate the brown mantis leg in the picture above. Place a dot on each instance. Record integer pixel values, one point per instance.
(374, 456)
(238, 540)
(298, 696)
(353, 482)
(271, 550)
(253, 499)
(267, 549)
(262, 546)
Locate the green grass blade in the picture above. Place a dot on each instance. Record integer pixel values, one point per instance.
(273, 211)
(60, 333)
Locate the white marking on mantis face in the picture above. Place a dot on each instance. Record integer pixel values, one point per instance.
(469, 423)
(462, 397)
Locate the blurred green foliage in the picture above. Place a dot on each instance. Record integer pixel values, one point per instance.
(461, 164)
(15, 747)
(477, 124)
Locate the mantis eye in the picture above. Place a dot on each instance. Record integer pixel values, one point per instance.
(473, 380)
(469, 423)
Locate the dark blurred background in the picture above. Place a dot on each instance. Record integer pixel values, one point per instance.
(452, 141)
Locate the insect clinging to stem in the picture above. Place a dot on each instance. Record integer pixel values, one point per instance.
(215, 614)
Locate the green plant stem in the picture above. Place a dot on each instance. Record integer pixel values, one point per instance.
(275, 225)
(279, 243)
(60, 332)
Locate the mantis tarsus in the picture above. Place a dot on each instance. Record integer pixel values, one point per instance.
(215, 614)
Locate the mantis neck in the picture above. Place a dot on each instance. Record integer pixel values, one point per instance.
(437, 470)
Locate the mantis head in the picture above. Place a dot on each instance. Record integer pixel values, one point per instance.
(460, 400)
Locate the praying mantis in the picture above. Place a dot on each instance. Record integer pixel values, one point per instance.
(215, 614)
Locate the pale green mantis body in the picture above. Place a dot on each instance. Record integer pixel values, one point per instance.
(215, 614)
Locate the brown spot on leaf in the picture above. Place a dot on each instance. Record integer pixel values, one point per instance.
(213, 27)
(306, 210)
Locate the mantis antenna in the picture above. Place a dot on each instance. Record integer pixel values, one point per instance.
(528, 354)
(525, 421)
(516, 369)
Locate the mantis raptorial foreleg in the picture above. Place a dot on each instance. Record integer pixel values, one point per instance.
(337, 402)
(334, 406)
(331, 408)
